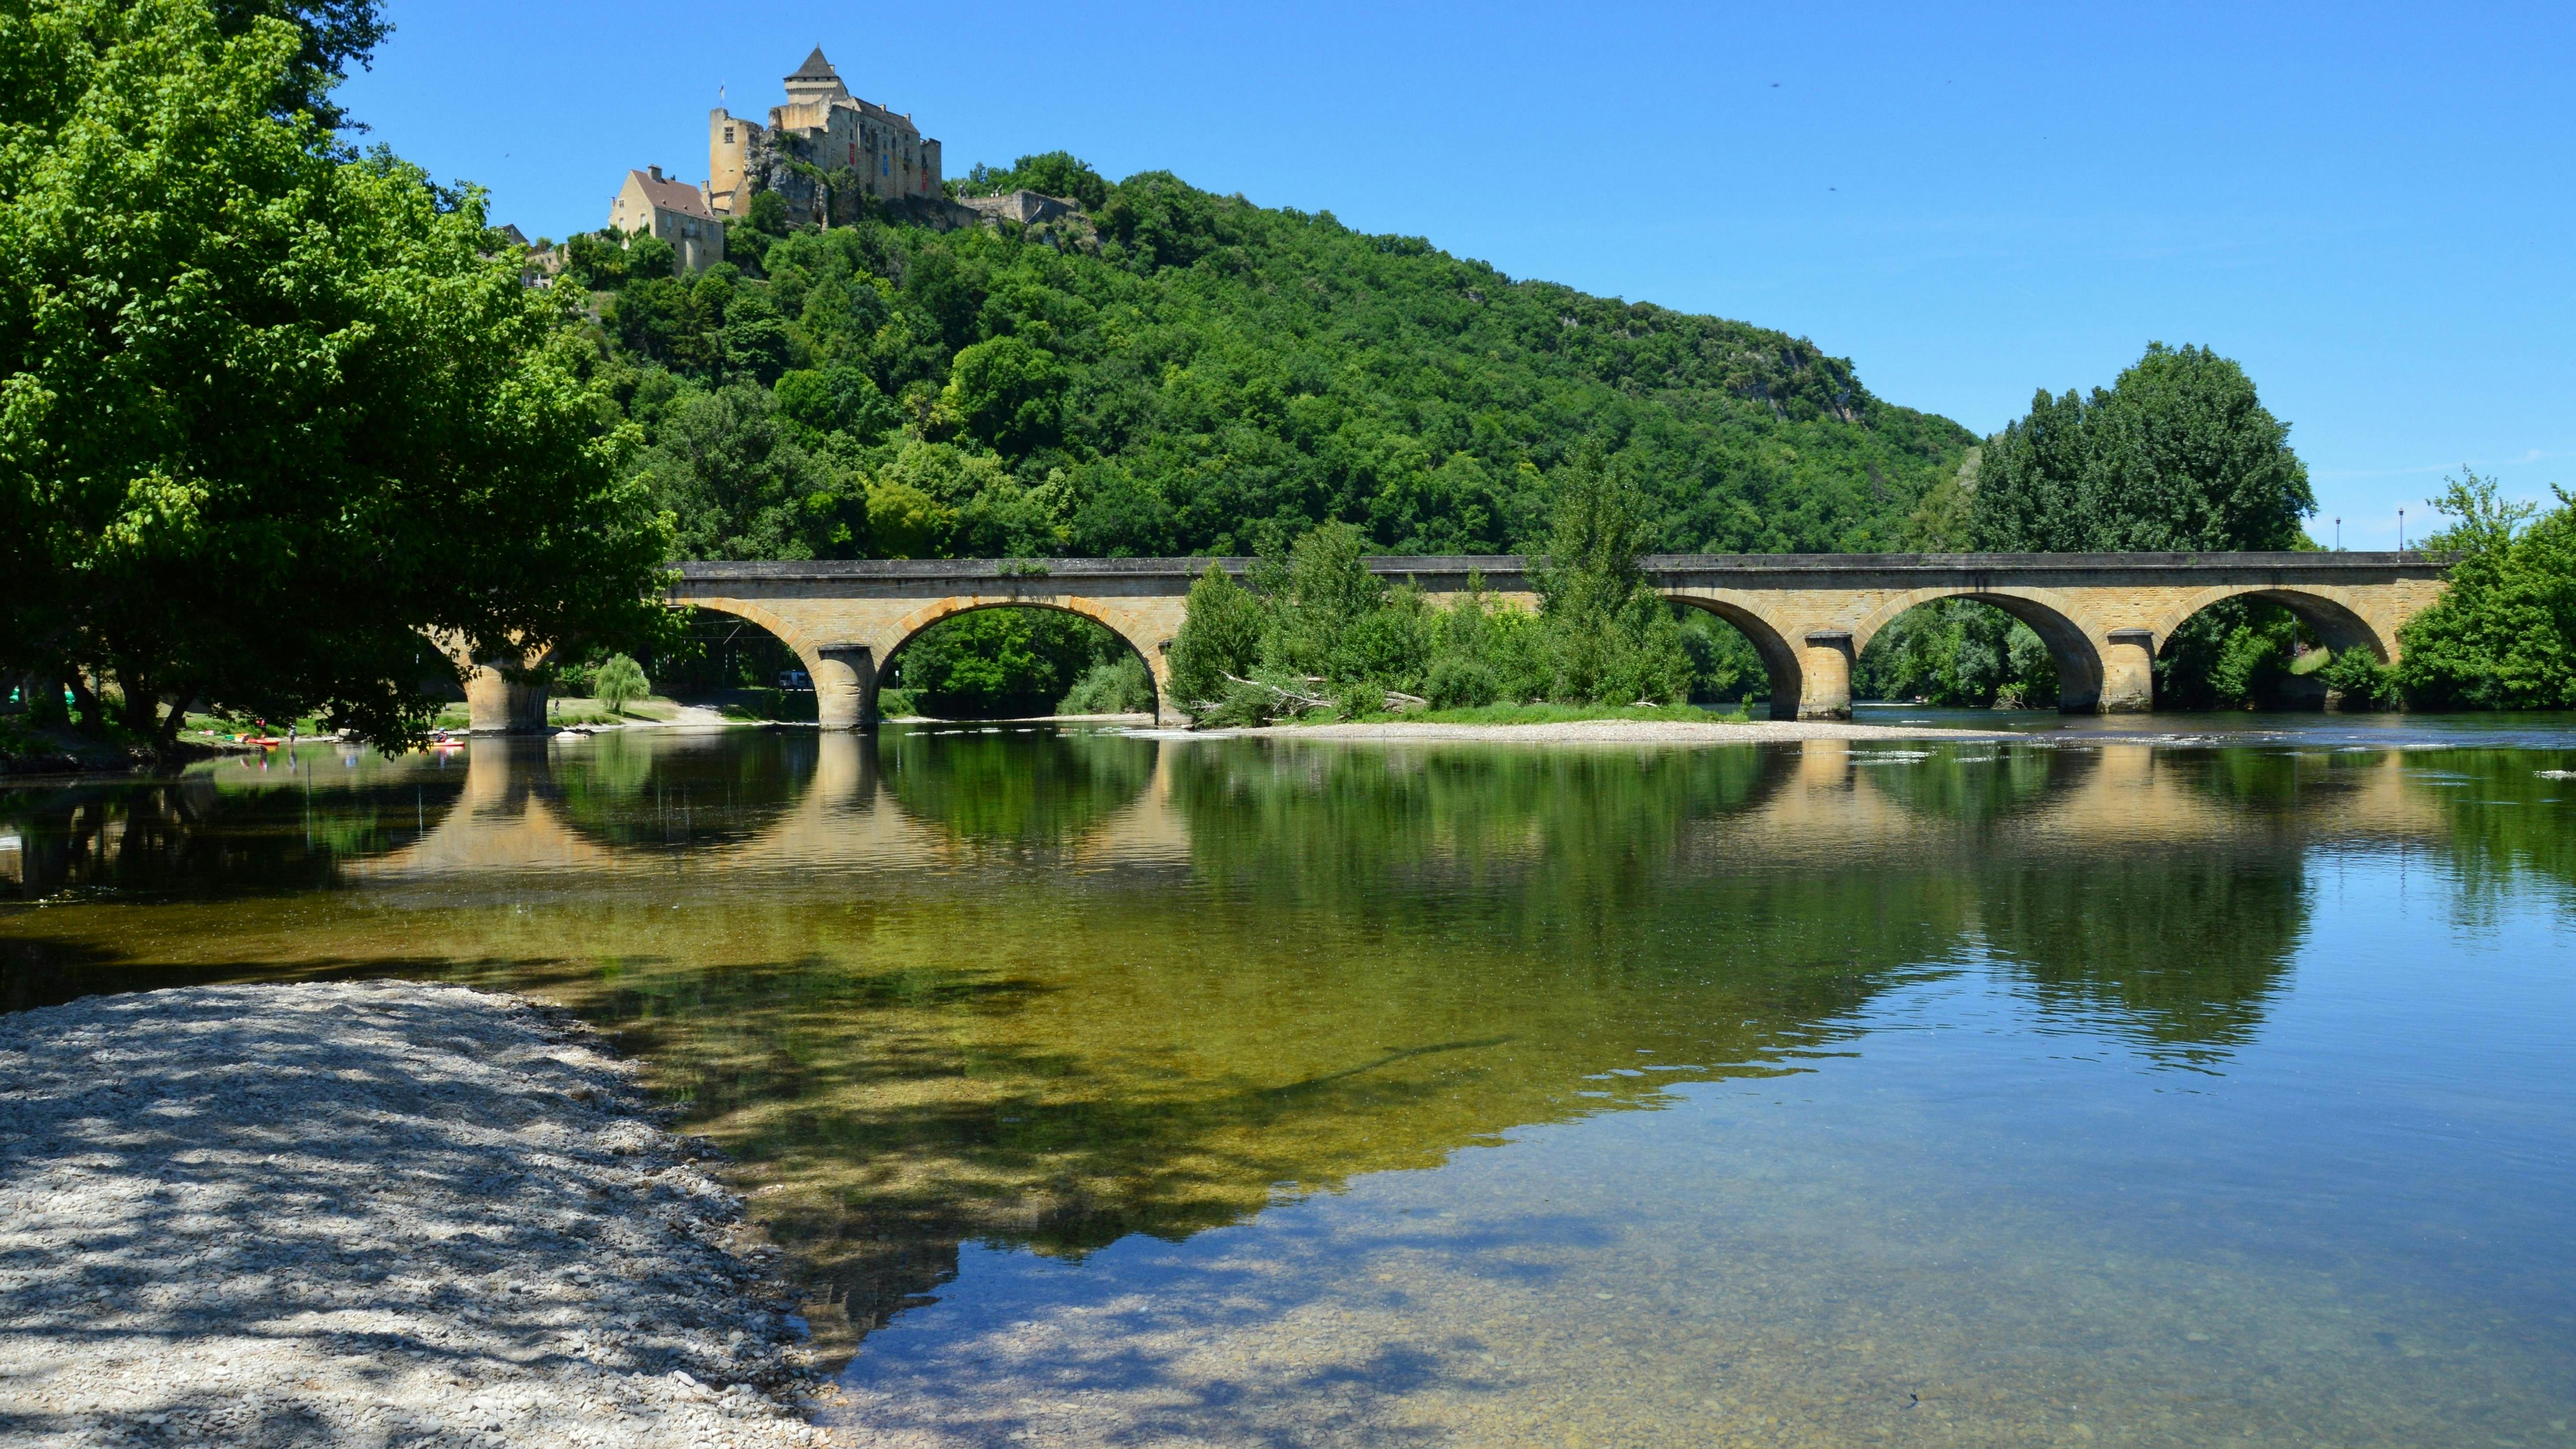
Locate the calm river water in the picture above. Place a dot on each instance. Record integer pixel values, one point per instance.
(1156, 1091)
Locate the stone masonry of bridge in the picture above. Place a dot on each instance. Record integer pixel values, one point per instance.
(2103, 616)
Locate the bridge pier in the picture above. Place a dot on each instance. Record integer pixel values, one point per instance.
(2128, 672)
(845, 686)
(1807, 615)
(1825, 675)
(495, 704)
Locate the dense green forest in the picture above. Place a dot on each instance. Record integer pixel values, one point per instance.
(1183, 373)
(1176, 372)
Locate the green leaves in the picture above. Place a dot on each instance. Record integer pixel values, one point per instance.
(267, 413)
(1204, 374)
(2504, 636)
(2179, 455)
(1615, 641)
(1219, 636)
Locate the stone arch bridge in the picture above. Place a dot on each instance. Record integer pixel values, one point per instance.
(2103, 616)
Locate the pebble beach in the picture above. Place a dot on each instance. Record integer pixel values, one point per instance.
(376, 1213)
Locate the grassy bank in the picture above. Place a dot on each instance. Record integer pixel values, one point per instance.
(1541, 714)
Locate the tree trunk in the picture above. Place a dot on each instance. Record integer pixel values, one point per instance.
(92, 720)
(166, 736)
(142, 707)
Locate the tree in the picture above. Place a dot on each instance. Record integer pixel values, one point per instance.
(1220, 635)
(269, 413)
(2178, 455)
(991, 663)
(739, 486)
(1613, 638)
(333, 34)
(619, 682)
(1004, 393)
(1052, 173)
(2504, 635)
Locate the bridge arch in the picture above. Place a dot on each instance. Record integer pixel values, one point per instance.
(2052, 617)
(836, 673)
(1125, 629)
(1769, 636)
(2339, 620)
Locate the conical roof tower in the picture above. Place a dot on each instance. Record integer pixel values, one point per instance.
(815, 80)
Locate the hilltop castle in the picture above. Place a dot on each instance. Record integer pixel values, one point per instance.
(826, 129)
(814, 153)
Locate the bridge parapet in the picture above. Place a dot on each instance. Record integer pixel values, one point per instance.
(2103, 616)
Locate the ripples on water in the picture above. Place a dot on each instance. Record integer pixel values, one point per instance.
(1138, 1090)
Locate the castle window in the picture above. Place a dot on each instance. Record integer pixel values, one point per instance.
(728, 135)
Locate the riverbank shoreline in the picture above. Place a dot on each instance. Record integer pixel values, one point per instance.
(1623, 732)
(376, 1212)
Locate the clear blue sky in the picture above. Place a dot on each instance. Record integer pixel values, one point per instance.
(2369, 206)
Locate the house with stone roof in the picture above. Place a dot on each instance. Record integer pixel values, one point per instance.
(823, 134)
(676, 212)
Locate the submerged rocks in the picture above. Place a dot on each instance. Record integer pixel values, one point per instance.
(364, 1213)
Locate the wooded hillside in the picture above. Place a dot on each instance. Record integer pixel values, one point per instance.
(1181, 372)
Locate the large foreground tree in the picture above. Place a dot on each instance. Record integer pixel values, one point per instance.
(269, 412)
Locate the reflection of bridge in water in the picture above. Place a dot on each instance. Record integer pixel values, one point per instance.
(986, 1061)
(505, 821)
(1850, 795)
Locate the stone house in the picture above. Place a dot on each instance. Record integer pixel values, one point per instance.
(676, 212)
(825, 129)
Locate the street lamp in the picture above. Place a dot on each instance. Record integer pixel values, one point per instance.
(2401, 530)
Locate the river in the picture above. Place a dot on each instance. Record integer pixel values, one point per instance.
(2207, 1085)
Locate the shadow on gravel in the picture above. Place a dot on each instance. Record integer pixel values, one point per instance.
(302, 1217)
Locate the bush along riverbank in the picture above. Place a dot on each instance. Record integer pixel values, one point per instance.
(1316, 635)
(372, 1213)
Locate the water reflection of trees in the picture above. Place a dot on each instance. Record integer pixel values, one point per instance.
(1014, 790)
(1374, 959)
(2176, 948)
(661, 789)
(1985, 782)
(2505, 822)
(227, 827)
(1557, 840)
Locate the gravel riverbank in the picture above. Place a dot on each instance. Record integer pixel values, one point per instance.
(376, 1213)
(1626, 732)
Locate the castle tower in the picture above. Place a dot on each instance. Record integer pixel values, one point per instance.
(815, 82)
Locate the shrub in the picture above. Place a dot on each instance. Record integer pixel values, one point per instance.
(2364, 682)
(2504, 636)
(619, 683)
(1114, 686)
(1219, 636)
